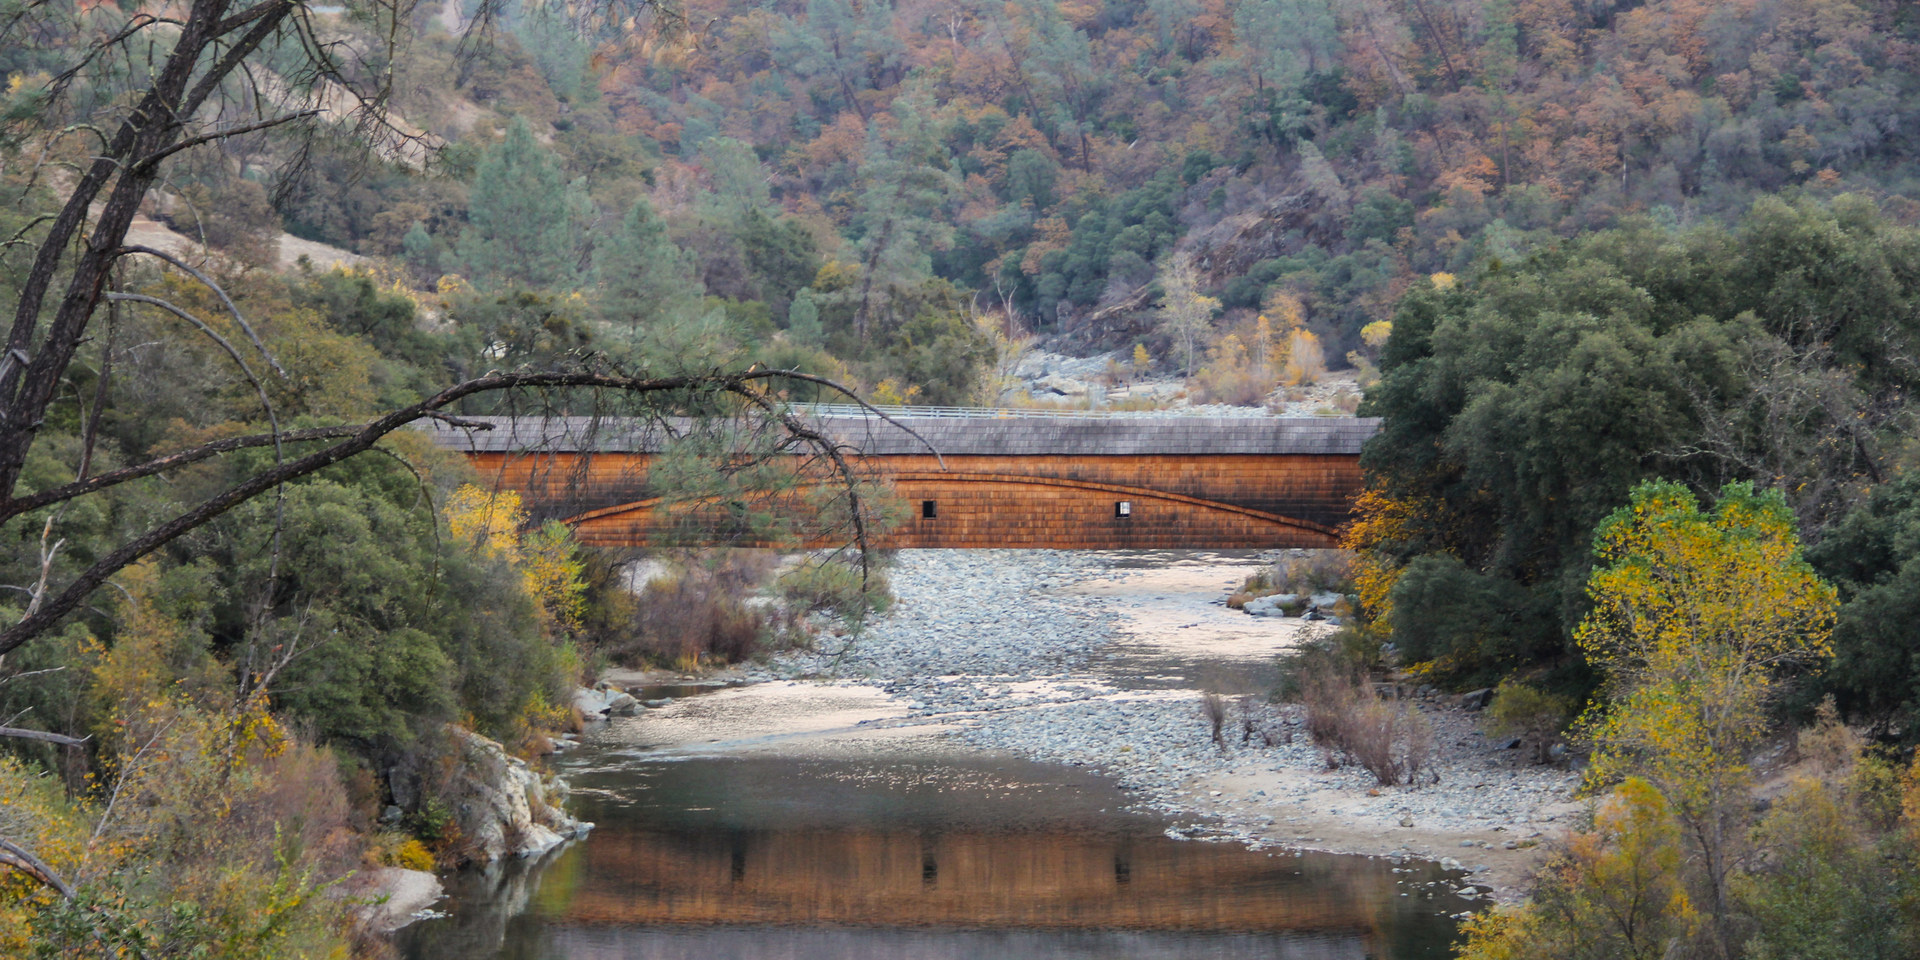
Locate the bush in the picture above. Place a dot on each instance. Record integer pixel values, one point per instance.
(688, 618)
(699, 612)
(1533, 715)
(1468, 627)
(1346, 652)
(1315, 571)
(1389, 739)
(407, 853)
(1306, 572)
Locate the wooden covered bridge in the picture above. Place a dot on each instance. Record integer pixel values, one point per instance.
(1068, 482)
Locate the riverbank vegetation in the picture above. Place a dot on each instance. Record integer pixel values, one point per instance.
(1572, 250)
(1650, 366)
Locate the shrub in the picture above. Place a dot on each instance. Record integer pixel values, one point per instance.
(700, 612)
(1346, 652)
(1534, 716)
(396, 850)
(1469, 626)
(688, 618)
(1314, 571)
(1390, 739)
(1215, 709)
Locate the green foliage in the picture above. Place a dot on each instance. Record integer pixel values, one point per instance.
(1466, 627)
(803, 320)
(518, 230)
(1824, 892)
(1696, 616)
(643, 275)
(830, 585)
(1873, 556)
(1521, 406)
(1347, 652)
(1617, 892)
(1531, 714)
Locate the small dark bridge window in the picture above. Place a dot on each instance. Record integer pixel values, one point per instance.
(1123, 509)
(926, 509)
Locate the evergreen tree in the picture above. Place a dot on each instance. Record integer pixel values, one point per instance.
(908, 178)
(803, 320)
(417, 247)
(518, 231)
(643, 276)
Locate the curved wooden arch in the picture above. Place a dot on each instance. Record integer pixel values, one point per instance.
(1127, 492)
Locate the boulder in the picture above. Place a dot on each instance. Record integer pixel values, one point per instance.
(592, 704)
(1273, 605)
(504, 807)
(1325, 604)
(391, 897)
(1476, 699)
(1059, 386)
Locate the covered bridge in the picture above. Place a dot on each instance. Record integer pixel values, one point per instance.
(1000, 480)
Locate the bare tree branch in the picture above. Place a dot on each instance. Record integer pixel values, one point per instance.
(24, 734)
(147, 162)
(218, 291)
(22, 859)
(181, 458)
(742, 385)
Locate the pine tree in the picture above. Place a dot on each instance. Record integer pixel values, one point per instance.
(907, 180)
(417, 247)
(518, 231)
(643, 276)
(803, 320)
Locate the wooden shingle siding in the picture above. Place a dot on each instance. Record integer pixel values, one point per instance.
(1022, 483)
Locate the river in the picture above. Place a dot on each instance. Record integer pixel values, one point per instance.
(820, 820)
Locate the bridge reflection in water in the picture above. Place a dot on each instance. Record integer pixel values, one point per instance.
(964, 879)
(959, 862)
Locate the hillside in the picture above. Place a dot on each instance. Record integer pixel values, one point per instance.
(1047, 157)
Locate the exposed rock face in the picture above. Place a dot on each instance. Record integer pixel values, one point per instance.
(504, 807)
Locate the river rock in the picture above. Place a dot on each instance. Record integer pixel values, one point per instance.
(592, 704)
(392, 897)
(505, 808)
(1325, 603)
(1273, 605)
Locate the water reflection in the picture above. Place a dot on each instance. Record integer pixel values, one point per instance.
(910, 857)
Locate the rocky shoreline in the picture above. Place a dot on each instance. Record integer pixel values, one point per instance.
(1010, 650)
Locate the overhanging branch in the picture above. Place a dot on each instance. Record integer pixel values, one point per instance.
(743, 385)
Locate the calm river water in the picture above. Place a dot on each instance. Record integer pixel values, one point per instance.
(831, 840)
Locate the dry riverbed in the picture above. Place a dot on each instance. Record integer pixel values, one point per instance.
(1100, 660)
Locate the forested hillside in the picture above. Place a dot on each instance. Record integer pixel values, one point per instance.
(889, 164)
(1635, 286)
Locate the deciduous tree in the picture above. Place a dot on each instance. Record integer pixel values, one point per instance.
(1696, 615)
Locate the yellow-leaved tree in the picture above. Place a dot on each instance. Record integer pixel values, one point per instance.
(1696, 614)
(1613, 891)
(495, 523)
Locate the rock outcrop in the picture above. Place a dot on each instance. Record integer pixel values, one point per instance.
(503, 807)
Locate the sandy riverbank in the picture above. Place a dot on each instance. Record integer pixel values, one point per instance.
(1101, 659)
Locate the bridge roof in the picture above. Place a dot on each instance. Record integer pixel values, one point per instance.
(951, 436)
